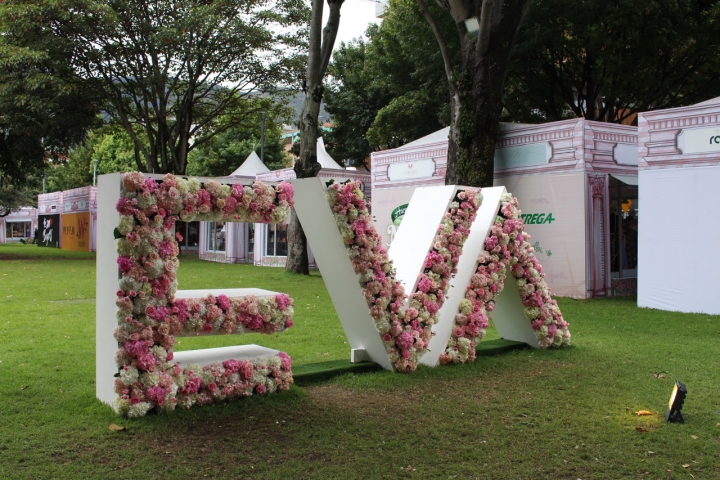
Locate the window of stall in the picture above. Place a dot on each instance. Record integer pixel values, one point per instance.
(624, 213)
(17, 230)
(215, 232)
(276, 241)
(190, 234)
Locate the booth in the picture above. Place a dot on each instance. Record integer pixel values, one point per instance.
(19, 225)
(576, 181)
(271, 240)
(679, 173)
(68, 219)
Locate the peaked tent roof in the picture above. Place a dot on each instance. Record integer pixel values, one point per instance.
(324, 158)
(250, 167)
(441, 134)
(712, 101)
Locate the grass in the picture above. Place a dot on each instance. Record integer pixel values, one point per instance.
(531, 414)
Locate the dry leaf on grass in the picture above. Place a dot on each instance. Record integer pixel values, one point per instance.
(115, 428)
(641, 429)
(694, 437)
(686, 465)
(640, 413)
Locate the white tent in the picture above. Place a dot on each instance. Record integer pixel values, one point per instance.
(324, 158)
(250, 167)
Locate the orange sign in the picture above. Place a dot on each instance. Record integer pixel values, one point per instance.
(75, 233)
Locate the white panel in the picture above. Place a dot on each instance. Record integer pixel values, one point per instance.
(677, 234)
(417, 235)
(207, 356)
(509, 315)
(106, 284)
(340, 279)
(468, 265)
(228, 292)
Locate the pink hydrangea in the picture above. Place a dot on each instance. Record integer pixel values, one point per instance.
(155, 394)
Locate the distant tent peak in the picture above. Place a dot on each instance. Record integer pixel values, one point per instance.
(250, 167)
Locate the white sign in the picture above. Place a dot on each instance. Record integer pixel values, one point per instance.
(699, 140)
(523, 156)
(411, 170)
(626, 154)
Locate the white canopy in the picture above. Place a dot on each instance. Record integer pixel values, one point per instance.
(250, 167)
(712, 101)
(324, 158)
(441, 134)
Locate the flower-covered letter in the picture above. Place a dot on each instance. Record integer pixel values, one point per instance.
(151, 312)
(403, 321)
(506, 250)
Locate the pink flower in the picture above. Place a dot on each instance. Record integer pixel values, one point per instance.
(155, 394)
(126, 206)
(425, 284)
(283, 301)
(125, 264)
(405, 341)
(285, 361)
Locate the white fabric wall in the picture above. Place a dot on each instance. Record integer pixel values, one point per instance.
(678, 236)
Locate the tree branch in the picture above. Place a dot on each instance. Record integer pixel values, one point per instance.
(329, 35)
(440, 39)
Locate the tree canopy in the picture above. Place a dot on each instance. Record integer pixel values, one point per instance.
(607, 60)
(226, 152)
(631, 56)
(172, 73)
(43, 110)
(390, 89)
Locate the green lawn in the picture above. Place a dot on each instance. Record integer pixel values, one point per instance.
(564, 414)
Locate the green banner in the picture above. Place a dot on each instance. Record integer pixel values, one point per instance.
(397, 215)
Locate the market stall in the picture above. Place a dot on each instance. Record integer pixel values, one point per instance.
(576, 181)
(679, 173)
(68, 219)
(19, 225)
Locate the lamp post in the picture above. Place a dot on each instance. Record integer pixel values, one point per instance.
(262, 135)
(95, 164)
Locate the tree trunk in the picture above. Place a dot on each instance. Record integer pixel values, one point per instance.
(476, 85)
(320, 49)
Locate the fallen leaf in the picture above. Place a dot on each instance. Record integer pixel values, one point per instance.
(694, 437)
(24, 387)
(641, 429)
(686, 465)
(650, 452)
(115, 428)
(643, 412)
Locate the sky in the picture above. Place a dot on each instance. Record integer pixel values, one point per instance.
(355, 15)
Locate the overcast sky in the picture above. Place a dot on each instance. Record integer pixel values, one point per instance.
(355, 15)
